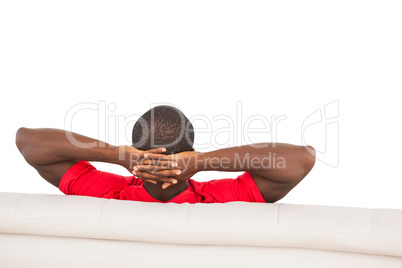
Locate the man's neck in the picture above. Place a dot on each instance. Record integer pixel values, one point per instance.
(164, 195)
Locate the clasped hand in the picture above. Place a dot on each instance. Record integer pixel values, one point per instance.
(154, 167)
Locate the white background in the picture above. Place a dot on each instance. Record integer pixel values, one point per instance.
(214, 58)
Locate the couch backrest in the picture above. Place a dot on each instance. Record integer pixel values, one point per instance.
(348, 229)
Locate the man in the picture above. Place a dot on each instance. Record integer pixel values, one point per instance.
(163, 161)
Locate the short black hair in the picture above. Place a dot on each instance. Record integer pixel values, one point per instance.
(163, 126)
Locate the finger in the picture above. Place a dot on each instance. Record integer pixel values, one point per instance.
(156, 156)
(167, 173)
(150, 176)
(151, 168)
(164, 180)
(145, 175)
(165, 163)
(157, 150)
(166, 185)
(158, 174)
(168, 180)
(151, 181)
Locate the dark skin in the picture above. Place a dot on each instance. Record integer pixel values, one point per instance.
(293, 163)
(52, 152)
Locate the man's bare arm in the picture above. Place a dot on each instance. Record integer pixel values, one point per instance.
(53, 151)
(276, 168)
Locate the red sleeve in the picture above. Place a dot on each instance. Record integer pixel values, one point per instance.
(243, 188)
(84, 179)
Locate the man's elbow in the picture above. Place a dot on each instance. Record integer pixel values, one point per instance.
(23, 143)
(309, 159)
(20, 138)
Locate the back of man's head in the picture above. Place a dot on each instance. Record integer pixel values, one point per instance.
(163, 126)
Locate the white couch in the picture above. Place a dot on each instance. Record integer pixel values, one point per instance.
(40, 230)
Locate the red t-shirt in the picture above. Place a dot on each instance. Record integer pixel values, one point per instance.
(84, 179)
